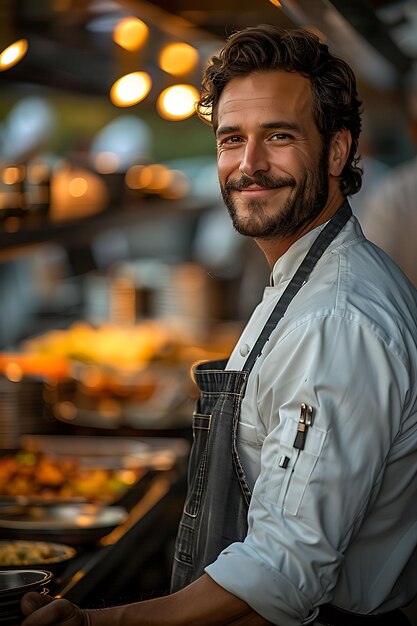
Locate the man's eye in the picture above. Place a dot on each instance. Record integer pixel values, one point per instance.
(281, 137)
(229, 140)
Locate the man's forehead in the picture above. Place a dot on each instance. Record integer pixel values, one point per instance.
(239, 102)
(265, 89)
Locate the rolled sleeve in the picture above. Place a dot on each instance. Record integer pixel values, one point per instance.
(243, 573)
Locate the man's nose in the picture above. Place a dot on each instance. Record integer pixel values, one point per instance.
(254, 159)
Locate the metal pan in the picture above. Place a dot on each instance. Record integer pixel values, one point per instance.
(73, 524)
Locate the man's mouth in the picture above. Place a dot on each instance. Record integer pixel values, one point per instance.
(263, 184)
(257, 191)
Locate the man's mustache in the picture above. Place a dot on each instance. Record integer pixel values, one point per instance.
(261, 180)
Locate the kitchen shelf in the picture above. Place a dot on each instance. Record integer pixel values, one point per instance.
(29, 233)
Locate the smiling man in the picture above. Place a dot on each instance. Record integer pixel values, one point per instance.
(302, 496)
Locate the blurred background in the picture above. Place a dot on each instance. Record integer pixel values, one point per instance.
(115, 250)
(108, 180)
(118, 265)
(119, 268)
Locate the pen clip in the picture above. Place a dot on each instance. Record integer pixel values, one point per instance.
(304, 422)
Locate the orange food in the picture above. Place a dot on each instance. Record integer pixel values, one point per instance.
(36, 475)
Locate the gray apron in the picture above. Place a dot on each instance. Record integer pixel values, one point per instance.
(218, 496)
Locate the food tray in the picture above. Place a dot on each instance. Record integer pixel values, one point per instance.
(111, 452)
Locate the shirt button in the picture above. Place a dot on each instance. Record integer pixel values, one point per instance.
(244, 349)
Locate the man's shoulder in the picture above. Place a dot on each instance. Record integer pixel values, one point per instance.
(359, 281)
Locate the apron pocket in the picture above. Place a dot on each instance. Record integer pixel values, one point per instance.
(197, 464)
(185, 541)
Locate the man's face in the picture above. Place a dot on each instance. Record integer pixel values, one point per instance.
(273, 166)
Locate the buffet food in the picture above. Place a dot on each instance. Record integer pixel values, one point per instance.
(112, 375)
(25, 553)
(38, 476)
(128, 348)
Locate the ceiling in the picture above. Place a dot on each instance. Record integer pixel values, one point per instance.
(71, 47)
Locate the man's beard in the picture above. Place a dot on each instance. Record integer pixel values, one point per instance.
(308, 200)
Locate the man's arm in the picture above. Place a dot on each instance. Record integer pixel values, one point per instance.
(203, 602)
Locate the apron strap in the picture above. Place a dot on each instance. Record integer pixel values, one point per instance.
(321, 243)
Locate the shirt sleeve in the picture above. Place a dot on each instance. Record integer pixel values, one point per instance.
(305, 511)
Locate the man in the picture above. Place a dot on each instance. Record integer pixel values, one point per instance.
(303, 489)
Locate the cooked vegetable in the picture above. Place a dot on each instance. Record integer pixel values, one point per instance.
(39, 475)
(19, 553)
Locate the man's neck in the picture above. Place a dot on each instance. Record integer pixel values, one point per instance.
(275, 247)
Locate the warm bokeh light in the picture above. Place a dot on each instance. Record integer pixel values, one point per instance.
(13, 175)
(127, 476)
(130, 33)
(154, 178)
(109, 408)
(77, 187)
(133, 177)
(66, 410)
(177, 102)
(84, 521)
(107, 162)
(178, 187)
(276, 3)
(13, 372)
(178, 58)
(13, 54)
(130, 89)
(92, 377)
(76, 193)
(157, 177)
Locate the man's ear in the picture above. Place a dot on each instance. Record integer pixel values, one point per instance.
(339, 151)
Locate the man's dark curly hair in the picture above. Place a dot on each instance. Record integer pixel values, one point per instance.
(268, 48)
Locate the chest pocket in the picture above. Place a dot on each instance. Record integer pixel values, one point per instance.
(287, 485)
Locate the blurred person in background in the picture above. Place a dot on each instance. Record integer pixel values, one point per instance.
(374, 169)
(388, 213)
(302, 500)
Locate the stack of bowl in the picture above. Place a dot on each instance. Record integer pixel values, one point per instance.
(13, 586)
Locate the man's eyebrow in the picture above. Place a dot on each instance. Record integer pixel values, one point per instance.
(282, 125)
(279, 124)
(225, 130)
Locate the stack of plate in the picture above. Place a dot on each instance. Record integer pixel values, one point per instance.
(13, 586)
(21, 410)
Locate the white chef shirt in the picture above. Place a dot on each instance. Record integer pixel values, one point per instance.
(339, 523)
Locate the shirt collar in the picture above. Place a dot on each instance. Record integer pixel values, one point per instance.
(286, 265)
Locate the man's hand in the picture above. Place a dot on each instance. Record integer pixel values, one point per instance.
(46, 611)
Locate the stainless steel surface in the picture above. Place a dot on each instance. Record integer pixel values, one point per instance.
(70, 523)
